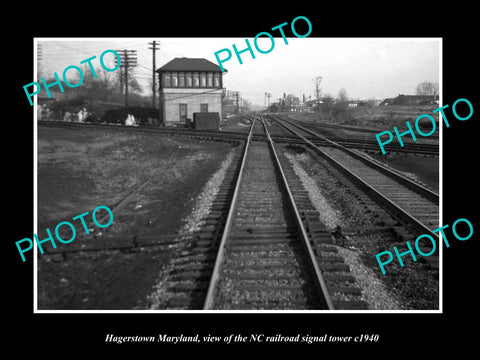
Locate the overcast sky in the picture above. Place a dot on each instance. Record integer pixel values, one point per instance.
(366, 67)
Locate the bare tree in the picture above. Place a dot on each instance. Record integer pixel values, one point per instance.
(133, 84)
(427, 88)
(318, 90)
(328, 102)
(342, 96)
(98, 87)
(104, 86)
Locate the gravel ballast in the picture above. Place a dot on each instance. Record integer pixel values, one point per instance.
(411, 287)
(160, 295)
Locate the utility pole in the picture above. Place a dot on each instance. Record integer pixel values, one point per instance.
(120, 75)
(128, 59)
(235, 96)
(125, 57)
(267, 99)
(39, 60)
(39, 51)
(153, 48)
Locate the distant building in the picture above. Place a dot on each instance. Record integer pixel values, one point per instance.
(230, 103)
(411, 100)
(307, 106)
(356, 103)
(386, 102)
(188, 86)
(415, 100)
(291, 101)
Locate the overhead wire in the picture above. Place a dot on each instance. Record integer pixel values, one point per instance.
(144, 47)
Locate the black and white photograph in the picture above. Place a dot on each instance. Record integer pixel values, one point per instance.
(241, 189)
(210, 181)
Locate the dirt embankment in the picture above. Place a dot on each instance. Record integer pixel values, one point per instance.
(79, 170)
(375, 117)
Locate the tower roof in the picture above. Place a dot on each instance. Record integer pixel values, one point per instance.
(189, 64)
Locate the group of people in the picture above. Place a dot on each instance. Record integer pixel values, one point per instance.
(130, 116)
(44, 113)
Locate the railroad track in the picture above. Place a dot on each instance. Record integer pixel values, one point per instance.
(263, 246)
(265, 259)
(411, 147)
(414, 206)
(367, 145)
(200, 134)
(353, 129)
(429, 150)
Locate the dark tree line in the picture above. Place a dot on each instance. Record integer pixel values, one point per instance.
(105, 87)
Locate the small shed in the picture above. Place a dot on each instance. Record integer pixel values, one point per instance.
(206, 120)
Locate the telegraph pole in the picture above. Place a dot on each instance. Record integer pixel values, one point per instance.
(128, 59)
(125, 56)
(39, 51)
(235, 96)
(153, 48)
(39, 59)
(267, 99)
(120, 75)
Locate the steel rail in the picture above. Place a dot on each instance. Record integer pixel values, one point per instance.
(362, 144)
(212, 287)
(427, 193)
(145, 129)
(233, 135)
(406, 216)
(346, 127)
(319, 282)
